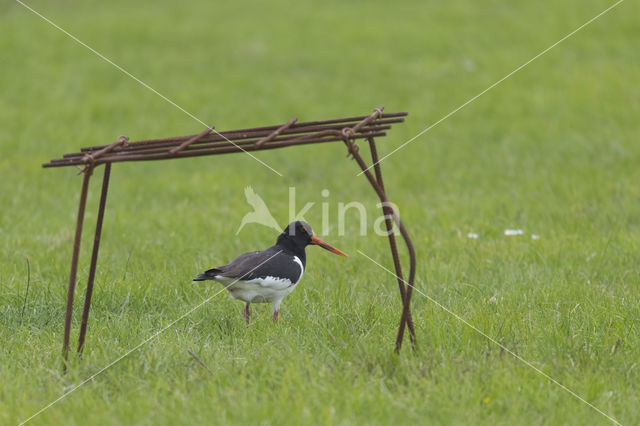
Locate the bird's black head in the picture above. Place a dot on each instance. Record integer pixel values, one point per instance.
(298, 235)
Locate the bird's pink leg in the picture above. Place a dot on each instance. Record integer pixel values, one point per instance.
(275, 316)
(247, 315)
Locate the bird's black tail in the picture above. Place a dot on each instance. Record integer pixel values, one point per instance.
(208, 275)
(201, 277)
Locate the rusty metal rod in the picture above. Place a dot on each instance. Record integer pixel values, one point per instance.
(327, 135)
(276, 132)
(217, 140)
(254, 142)
(189, 141)
(388, 212)
(74, 266)
(340, 120)
(197, 153)
(94, 257)
(295, 127)
(231, 149)
(204, 144)
(321, 134)
(293, 139)
(406, 310)
(235, 136)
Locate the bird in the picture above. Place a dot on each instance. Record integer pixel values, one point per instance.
(268, 276)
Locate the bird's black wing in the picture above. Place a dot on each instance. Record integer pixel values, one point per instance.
(272, 262)
(228, 270)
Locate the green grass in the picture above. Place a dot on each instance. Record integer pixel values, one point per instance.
(553, 151)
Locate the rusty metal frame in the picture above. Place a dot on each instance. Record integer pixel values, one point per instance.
(348, 130)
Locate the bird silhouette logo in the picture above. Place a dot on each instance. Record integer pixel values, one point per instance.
(260, 214)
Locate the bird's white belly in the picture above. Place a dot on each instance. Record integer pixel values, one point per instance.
(261, 290)
(254, 292)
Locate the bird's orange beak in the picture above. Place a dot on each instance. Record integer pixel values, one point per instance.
(318, 242)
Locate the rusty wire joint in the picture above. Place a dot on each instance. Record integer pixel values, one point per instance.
(90, 159)
(276, 132)
(189, 141)
(352, 148)
(348, 130)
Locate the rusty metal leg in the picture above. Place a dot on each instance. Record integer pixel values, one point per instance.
(388, 214)
(406, 311)
(94, 257)
(74, 265)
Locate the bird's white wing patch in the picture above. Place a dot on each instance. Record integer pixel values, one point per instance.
(299, 262)
(280, 283)
(272, 282)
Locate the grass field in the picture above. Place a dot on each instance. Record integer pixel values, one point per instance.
(553, 150)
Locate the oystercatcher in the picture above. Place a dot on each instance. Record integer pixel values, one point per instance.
(268, 276)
